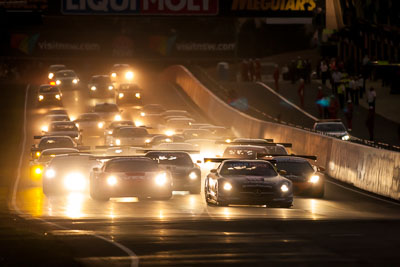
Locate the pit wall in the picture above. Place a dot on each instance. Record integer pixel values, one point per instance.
(371, 169)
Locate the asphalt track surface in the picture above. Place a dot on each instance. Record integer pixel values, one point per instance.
(346, 227)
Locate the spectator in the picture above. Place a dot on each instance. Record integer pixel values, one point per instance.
(370, 122)
(285, 73)
(349, 115)
(333, 107)
(258, 69)
(360, 86)
(340, 93)
(300, 92)
(252, 70)
(299, 68)
(276, 77)
(336, 77)
(320, 97)
(371, 98)
(324, 72)
(292, 70)
(352, 89)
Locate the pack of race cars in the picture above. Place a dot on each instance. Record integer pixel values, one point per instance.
(159, 152)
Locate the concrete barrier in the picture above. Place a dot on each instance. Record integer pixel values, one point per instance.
(371, 169)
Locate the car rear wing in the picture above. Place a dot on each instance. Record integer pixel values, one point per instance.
(263, 155)
(254, 143)
(219, 160)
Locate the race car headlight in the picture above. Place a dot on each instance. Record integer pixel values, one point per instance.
(75, 182)
(345, 137)
(75, 81)
(100, 125)
(113, 74)
(192, 176)
(147, 141)
(110, 87)
(228, 141)
(93, 88)
(138, 123)
(110, 132)
(50, 174)
(118, 142)
(112, 180)
(314, 179)
(169, 132)
(58, 82)
(137, 95)
(117, 117)
(51, 75)
(168, 140)
(38, 170)
(40, 97)
(57, 96)
(37, 154)
(284, 188)
(44, 128)
(142, 114)
(227, 186)
(129, 75)
(161, 179)
(120, 95)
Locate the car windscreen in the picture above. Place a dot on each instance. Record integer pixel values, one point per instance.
(89, 117)
(250, 153)
(54, 143)
(106, 108)
(116, 124)
(65, 74)
(131, 132)
(58, 118)
(131, 166)
(101, 80)
(276, 150)
(247, 168)
(193, 134)
(59, 127)
(295, 168)
(48, 89)
(48, 155)
(56, 68)
(129, 87)
(180, 159)
(330, 127)
(74, 162)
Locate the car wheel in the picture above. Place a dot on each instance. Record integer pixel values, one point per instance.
(206, 197)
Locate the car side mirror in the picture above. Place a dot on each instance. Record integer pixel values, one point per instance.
(321, 169)
(199, 162)
(213, 170)
(282, 172)
(96, 169)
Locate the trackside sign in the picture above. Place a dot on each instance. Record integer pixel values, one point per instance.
(141, 7)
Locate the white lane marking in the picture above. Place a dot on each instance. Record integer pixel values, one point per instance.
(365, 194)
(134, 259)
(288, 102)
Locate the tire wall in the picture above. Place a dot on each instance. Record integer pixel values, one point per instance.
(371, 169)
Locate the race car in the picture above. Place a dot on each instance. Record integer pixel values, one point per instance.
(108, 112)
(37, 166)
(65, 79)
(253, 152)
(48, 95)
(64, 128)
(52, 118)
(47, 142)
(90, 124)
(249, 182)
(53, 69)
(334, 128)
(307, 179)
(57, 112)
(128, 136)
(177, 125)
(185, 174)
(151, 109)
(138, 177)
(176, 147)
(113, 125)
(101, 86)
(197, 134)
(121, 73)
(219, 131)
(175, 113)
(68, 173)
(162, 138)
(129, 94)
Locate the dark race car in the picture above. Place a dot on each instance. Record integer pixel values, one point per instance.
(101, 86)
(185, 174)
(47, 142)
(49, 95)
(130, 177)
(129, 94)
(247, 182)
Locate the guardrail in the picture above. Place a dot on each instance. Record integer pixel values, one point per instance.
(371, 169)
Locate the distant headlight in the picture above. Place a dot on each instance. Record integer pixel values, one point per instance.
(345, 137)
(142, 114)
(110, 87)
(75, 182)
(38, 170)
(50, 174)
(57, 96)
(120, 95)
(93, 88)
(228, 140)
(284, 188)
(147, 141)
(109, 132)
(227, 186)
(75, 81)
(113, 75)
(314, 179)
(51, 75)
(161, 179)
(117, 117)
(118, 142)
(138, 123)
(41, 97)
(129, 75)
(58, 82)
(100, 125)
(111, 180)
(169, 132)
(137, 95)
(45, 128)
(192, 176)
(37, 154)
